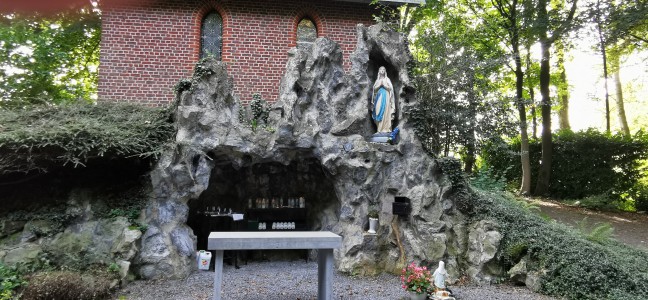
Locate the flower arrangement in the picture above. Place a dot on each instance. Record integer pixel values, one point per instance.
(416, 279)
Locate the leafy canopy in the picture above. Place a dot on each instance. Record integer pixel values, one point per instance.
(49, 59)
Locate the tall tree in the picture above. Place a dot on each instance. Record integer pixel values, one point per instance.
(510, 12)
(549, 29)
(458, 107)
(621, 27)
(598, 18)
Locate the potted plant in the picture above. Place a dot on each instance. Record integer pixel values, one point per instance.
(416, 281)
(373, 220)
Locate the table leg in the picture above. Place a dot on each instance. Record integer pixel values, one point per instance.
(325, 274)
(218, 274)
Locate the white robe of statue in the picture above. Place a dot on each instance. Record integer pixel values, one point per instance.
(383, 107)
(439, 276)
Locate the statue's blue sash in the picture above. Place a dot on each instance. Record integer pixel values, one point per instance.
(381, 97)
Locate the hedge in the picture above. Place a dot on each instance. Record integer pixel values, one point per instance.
(585, 163)
(42, 137)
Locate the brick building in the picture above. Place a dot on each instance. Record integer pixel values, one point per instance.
(147, 46)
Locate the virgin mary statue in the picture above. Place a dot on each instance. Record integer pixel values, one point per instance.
(382, 102)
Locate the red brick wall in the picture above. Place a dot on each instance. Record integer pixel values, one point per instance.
(147, 49)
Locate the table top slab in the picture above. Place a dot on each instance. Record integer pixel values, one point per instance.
(257, 240)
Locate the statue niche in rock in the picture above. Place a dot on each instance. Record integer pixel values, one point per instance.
(383, 108)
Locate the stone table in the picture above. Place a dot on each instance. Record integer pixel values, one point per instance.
(324, 241)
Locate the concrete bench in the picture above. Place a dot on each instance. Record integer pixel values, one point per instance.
(324, 241)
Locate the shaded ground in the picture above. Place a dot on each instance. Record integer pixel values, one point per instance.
(298, 279)
(629, 228)
(291, 280)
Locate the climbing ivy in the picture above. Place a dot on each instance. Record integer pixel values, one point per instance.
(573, 266)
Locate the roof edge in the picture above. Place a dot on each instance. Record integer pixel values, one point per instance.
(388, 2)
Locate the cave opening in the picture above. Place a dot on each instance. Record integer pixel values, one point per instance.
(265, 197)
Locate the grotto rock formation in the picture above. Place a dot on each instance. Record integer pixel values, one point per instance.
(321, 117)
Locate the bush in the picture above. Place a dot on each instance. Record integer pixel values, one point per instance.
(573, 266)
(641, 198)
(585, 163)
(601, 202)
(40, 138)
(10, 280)
(486, 179)
(66, 285)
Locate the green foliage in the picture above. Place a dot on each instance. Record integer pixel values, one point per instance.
(416, 279)
(486, 179)
(641, 197)
(50, 59)
(516, 252)
(260, 110)
(58, 217)
(129, 204)
(42, 137)
(113, 268)
(201, 69)
(528, 206)
(452, 168)
(182, 85)
(586, 163)
(573, 266)
(131, 213)
(373, 213)
(256, 114)
(601, 232)
(623, 21)
(10, 280)
(602, 202)
(456, 73)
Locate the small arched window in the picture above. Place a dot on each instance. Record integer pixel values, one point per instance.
(306, 33)
(211, 36)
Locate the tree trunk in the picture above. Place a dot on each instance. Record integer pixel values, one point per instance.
(623, 121)
(605, 69)
(563, 89)
(525, 185)
(534, 120)
(544, 175)
(446, 148)
(471, 142)
(470, 159)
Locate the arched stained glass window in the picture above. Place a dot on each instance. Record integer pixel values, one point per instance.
(211, 36)
(306, 33)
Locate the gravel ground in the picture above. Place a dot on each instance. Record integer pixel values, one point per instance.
(297, 280)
